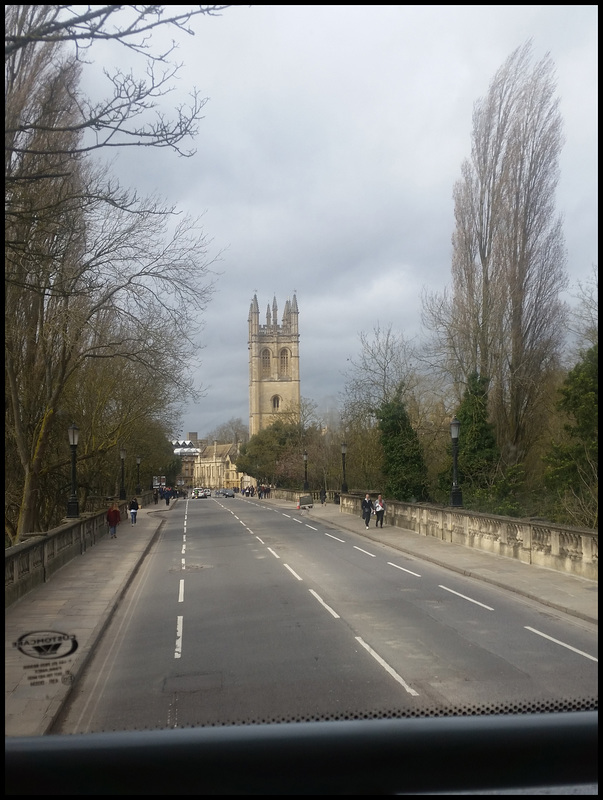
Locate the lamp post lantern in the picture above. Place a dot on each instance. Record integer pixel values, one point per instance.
(306, 487)
(73, 508)
(138, 489)
(456, 496)
(344, 450)
(122, 489)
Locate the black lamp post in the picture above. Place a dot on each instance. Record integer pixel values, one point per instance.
(138, 489)
(306, 487)
(456, 496)
(73, 508)
(122, 490)
(344, 450)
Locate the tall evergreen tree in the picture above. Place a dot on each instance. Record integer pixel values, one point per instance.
(404, 467)
(478, 455)
(572, 465)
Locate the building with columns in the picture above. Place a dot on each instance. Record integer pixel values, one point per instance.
(274, 385)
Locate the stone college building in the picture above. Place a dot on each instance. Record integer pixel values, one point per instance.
(274, 388)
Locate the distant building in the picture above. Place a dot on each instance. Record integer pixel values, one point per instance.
(188, 452)
(212, 466)
(274, 385)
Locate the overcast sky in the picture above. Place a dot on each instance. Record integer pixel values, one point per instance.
(325, 164)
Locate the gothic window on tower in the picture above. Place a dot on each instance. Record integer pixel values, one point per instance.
(276, 402)
(284, 363)
(265, 363)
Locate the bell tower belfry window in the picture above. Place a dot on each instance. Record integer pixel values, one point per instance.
(274, 384)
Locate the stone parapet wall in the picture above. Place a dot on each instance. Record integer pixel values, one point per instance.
(544, 544)
(39, 555)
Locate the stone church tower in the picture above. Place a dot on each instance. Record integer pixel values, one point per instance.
(273, 364)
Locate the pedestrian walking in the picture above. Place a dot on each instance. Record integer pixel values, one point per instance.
(380, 506)
(113, 520)
(367, 510)
(323, 497)
(133, 510)
(155, 496)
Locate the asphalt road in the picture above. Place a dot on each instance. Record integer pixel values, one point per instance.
(84, 596)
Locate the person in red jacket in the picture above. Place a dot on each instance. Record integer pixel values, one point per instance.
(113, 519)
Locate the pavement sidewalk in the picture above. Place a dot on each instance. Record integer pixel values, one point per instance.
(80, 599)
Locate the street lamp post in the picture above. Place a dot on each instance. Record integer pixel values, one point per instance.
(344, 450)
(73, 508)
(306, 487)
(456, 496)
(122, 490)
(138, 489)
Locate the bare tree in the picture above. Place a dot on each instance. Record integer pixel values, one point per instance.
(384, 362)
(130, 25)
(93, 274)
(235, 430)
(122, 286)
(584, 322)
(384, 366)
(130, 115)
(504, 319)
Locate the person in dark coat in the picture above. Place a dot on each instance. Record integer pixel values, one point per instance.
(367, 509)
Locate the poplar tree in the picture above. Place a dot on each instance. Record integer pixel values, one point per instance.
(504, 318)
